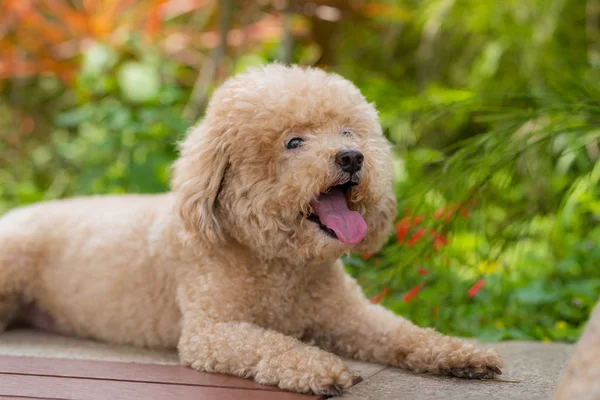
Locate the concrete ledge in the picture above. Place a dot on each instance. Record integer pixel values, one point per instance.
(536, 365)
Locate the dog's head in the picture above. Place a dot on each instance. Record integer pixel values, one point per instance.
(290, 163)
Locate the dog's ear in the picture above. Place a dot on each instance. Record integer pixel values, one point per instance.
(197, 180)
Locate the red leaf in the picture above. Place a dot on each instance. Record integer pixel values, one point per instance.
(378, 298)
(153, 23)
(412, 292)
(476, 288)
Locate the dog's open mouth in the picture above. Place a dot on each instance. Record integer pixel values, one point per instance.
(333, 216)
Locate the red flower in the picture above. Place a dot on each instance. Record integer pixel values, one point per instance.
(439, 213)
(378, 298)
(476, 288)
(412, 292)
(404, 221)
(366, 256)
(414, 239)
(402, 228)
(439, 242)
(417, 220)
(452, 211)
(422, 271)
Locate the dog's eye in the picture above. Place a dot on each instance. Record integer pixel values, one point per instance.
(346, 132)
(294, 143)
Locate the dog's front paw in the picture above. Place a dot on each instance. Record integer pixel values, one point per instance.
(472, 363)
(306, 371)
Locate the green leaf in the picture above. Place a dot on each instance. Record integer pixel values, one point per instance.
(139, 82)
(491, 335)
(74, 117)
(97, 59)
(426, 155)
(28, 192)
(536, 294)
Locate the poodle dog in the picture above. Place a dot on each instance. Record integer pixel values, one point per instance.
(238, 266)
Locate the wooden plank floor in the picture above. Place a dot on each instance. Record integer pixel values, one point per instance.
(50, 378)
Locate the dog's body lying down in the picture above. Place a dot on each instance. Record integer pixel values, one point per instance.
(101, 263)
(238, 266)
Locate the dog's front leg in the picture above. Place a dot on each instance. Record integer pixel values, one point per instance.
(271, 358)
(349, 325)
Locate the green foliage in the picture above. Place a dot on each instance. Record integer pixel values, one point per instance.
(116, 132)
(493, 112)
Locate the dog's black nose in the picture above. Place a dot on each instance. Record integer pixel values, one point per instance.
(349, 160)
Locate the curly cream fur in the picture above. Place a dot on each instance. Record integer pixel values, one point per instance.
(226, 267)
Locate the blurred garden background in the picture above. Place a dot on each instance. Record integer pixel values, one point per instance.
(493, 108)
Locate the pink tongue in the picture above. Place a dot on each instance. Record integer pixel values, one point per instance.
(332, 210)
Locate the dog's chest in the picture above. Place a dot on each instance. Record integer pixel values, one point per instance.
(278, 301)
